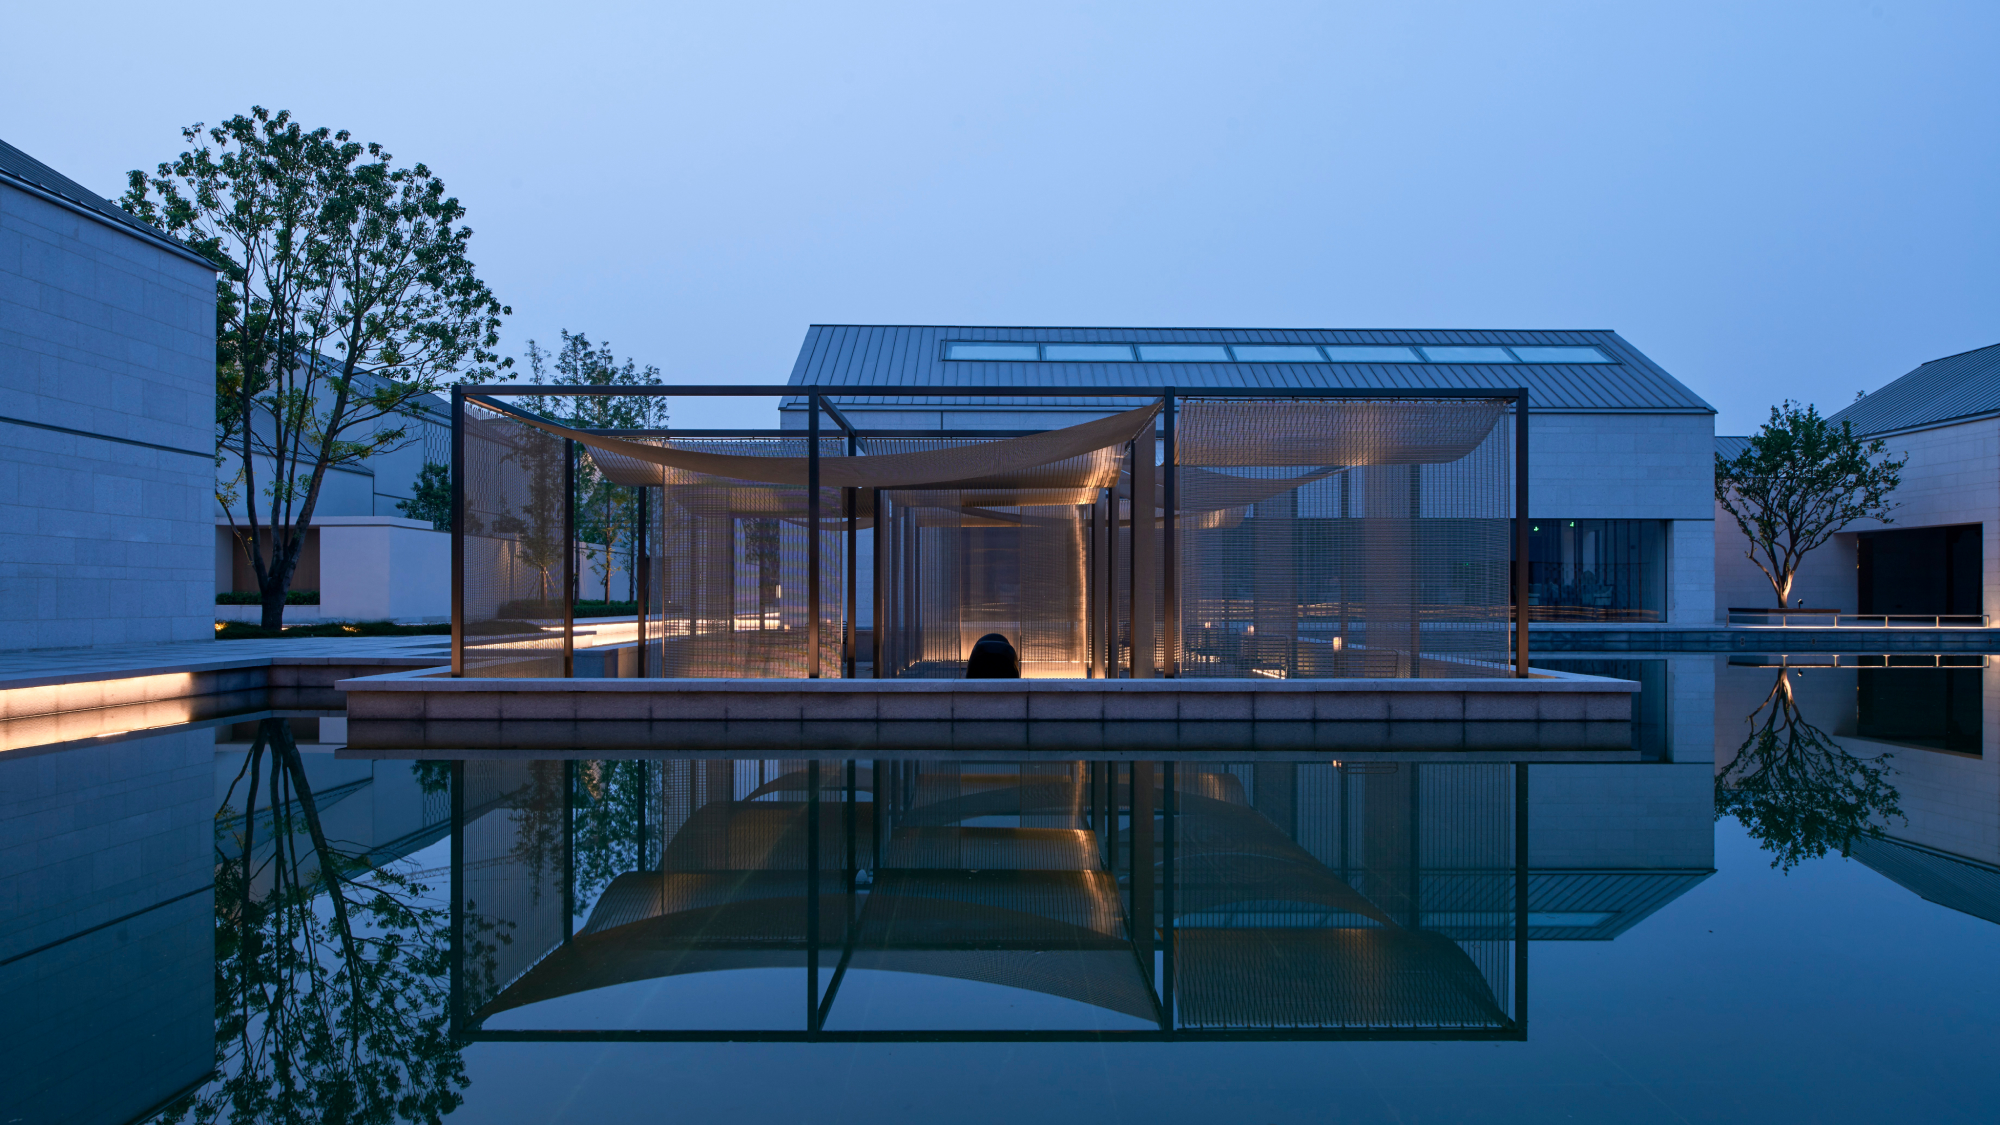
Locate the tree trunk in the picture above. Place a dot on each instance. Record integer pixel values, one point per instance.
(278, 580)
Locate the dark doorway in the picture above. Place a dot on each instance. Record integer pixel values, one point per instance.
(1926, 570)
(1934, 708)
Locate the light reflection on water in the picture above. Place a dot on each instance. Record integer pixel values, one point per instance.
(151, 939)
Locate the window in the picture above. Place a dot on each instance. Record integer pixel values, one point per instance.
(1597, 570)
(1088, 353)
(1183, 353)
(992, 351)
(1440, 354)
(1561, 355)
(1277, 353)
(1370, 353)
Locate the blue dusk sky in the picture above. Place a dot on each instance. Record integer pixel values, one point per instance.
(1771, 199)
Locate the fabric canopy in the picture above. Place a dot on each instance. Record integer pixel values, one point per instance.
(1030, 461)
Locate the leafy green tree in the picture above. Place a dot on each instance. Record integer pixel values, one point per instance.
(1798, 791)
(347, 297)
(1798, 483)
(432, 499)
(606, 513)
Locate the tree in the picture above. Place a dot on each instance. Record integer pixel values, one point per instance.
(605, 512)
(1799, 482)
(432, 499)
(1797, 791)
(332, 982)
(346, 298)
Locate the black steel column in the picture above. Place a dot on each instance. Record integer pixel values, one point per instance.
(569, 558)
(569, 850)
(1140, 861)
(812, 549)
(812, 891)
(1170, 806)
(849, 655)
(1521, 897)
(847, 812)
(1521, 532)
(878, 560)
(457, 542)
(457, 881)
(1169, 561)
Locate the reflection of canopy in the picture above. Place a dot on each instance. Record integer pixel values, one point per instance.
(1269, 936)
(1073, 457)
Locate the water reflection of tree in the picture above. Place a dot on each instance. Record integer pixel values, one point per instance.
(1798, 791)
(331, 975)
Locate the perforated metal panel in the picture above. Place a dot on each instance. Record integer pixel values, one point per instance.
(1322, 539)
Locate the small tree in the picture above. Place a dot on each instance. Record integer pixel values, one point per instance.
(605, 512)
(347, 297)
(1800, 481)
(432, 499)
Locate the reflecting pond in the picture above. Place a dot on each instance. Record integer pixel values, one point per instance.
(1787, 909)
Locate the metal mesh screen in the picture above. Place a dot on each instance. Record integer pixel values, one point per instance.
(515, 576)
(516, 844)
(1308, 895)
(729, 592)
(1323, 539)
(960, 563)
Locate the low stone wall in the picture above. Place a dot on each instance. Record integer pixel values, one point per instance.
(1751, 638)
(1544, 697)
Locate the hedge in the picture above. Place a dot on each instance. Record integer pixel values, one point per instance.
(292, 597)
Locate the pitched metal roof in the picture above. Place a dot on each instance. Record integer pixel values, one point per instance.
(1957, 882)
(912, 356)
(1730, 448)
(21, 169)
(1952, 389)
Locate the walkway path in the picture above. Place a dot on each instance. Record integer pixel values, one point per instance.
(33, 667)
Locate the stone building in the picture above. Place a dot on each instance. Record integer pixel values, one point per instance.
(107, 413)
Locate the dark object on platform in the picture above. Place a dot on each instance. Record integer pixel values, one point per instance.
(993, 658)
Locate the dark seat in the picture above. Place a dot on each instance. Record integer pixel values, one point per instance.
(993, 658)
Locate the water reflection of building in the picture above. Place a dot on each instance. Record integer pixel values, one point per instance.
(107, 947)
(1931, 725)
(1285, 896)
(108, 951)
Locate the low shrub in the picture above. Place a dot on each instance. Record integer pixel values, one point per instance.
(239, 631)
(292, 597)
(529, 609)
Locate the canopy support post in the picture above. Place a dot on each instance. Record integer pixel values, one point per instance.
(569, 558)
(812, 551)
(1169, 558)
(1521, 533)
(879, 558)
(1145, 567)
(457, 560)
(848, 655)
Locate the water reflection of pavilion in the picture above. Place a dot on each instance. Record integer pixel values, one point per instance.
(1278, 898)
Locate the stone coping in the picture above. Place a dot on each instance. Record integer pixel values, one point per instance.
(437, 679)
(425, 696)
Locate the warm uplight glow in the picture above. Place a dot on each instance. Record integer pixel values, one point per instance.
(56, 699)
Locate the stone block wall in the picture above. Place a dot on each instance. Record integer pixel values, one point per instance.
(107, 408)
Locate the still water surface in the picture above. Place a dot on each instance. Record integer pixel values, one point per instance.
(233, 922)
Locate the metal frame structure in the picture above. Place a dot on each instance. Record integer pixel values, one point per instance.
(1118, 794)
(819, 400)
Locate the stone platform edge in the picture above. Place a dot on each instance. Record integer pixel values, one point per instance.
(1547, 696)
